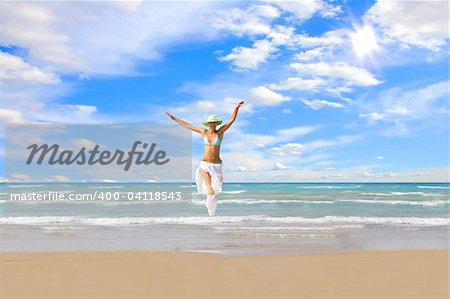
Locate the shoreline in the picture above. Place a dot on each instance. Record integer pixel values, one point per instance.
(182, 274)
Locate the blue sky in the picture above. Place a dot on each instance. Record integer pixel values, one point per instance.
(334, 90)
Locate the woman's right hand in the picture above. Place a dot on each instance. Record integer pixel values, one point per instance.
(170, 115)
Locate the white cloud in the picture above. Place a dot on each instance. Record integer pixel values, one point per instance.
(378, 175)
(132, 5)
(264, 96)
(328, 39)
(34, 26)
(102, 37)
(418, 174)
(400, 110)
(280, 166)
(287, 149)
(309, 55)
(279, 147)
(276, 35)
(298, 84)
(99, 38)
(68, 114)
(203, 106)
(423, 105)
(19, 177)
(337, 91)
(10, 116)
(24, 102)
(294, 132)
(197, 111)
(281, 35)
(303, 10)
(329, 10)
(379, 158)
(239, 168)
(240, 141)
(412, 23)
(250, 58)
(338, 141)
(334, 176)
(352, 174)
(13, 68)
(286, 111)
(319, 104)
(253, 20)
(342, 70)
(83, 142)
(373, 116)
(239, 161)
(60, 178)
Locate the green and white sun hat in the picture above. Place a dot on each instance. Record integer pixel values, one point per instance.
(212, 119)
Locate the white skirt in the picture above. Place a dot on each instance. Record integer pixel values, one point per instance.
(215, 171)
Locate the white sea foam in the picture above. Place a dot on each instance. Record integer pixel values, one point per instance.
(434, 187)
(24, 186)
(234, 191)
(402, 193)
(187, 186)
(60, 228)
(286, 235)
(106, 187)
(252, 201)
(328, 187)
(427, 203)
(253, 219)
(287, 228)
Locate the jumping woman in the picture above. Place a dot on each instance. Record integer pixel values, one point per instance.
(208, 176)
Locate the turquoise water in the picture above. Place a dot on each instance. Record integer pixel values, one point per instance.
(251, 218)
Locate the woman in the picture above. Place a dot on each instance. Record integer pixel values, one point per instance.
(209, 174)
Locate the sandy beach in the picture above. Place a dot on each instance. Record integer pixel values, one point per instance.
(140, 274)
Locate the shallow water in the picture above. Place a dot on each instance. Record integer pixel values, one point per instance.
(252, 218)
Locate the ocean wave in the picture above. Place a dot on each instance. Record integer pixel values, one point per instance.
(288, 228)
(253, 219)
(234, 191)
(284, 235)
(24, 186)
(106, 187)
(328, 187)
(60, 228)
(251, 201)
(402, 193)
(434, 187)
(427, 203)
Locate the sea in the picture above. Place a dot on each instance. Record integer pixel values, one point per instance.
(251, 218)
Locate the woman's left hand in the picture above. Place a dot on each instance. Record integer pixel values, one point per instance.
(240, 104)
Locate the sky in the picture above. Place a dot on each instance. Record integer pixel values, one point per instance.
(334, 91)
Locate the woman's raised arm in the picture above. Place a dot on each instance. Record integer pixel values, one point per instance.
(186, 124)
(232, 118)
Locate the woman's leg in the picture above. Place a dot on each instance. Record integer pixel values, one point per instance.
(207, 181)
